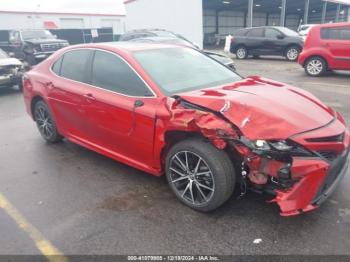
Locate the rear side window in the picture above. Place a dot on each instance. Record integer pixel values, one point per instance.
(74, 64)
(112, 73)
(342, 33)
(57, 66)
(256, 32)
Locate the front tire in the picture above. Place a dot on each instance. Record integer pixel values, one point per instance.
(242, 52)
(45, 123)
(292, 53)
(315, 66)
(201, 176)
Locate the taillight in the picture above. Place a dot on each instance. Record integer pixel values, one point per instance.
(27, 84)
(232, 39)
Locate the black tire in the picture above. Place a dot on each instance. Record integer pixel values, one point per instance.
(292, 53)
(46, 123)
(20, 85)
(220, 174)
(241, 52)
(315, 66)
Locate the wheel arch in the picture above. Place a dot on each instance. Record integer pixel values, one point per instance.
(292, 45)
(172, 137)
(35, 99)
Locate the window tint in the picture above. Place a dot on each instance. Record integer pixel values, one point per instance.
(256, 32)
(57, 66)
(74, 64)
(271, 33)
(112, 73)
(336, 33)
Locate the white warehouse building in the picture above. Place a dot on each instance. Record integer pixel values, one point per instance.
(206, 21)
(48, 20)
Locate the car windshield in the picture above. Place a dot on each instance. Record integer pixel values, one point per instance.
(3, 54)
(36, 34)
(178, 70)
(288, 31)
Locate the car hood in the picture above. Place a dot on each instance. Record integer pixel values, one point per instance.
(264, 109)
(10, 61)
(45, 41)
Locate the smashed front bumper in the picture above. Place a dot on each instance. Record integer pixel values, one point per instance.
(9, 79)
(318, 180)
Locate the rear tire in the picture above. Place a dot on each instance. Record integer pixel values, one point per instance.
(315, 66)
(45, 123)
(242, 52)
(200, 175)
(292, 53)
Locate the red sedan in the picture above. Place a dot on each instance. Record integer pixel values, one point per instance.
(172, 110)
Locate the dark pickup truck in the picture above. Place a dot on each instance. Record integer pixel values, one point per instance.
(31, 46)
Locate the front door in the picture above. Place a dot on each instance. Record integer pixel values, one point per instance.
(120, 108)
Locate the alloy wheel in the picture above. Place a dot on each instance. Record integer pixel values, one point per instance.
(292, 54)
(44, 122)
(241, 53)
(192, 178)
(314, 67)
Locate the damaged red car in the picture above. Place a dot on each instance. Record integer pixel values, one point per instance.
(172, 110)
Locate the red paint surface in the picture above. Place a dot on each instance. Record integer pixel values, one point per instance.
(258, 109)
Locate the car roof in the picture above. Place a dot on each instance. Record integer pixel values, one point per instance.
(125, 46)
(342, 24)
(146, 30)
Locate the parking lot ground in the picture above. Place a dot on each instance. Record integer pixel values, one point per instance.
(84, 203)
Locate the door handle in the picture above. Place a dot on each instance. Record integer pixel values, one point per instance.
(89, 97)
(138, 103)
(49, 85)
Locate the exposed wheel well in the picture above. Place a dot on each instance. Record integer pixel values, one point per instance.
(34, 101)
(173, 137)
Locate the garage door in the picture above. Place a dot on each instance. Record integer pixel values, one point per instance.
(72, 23)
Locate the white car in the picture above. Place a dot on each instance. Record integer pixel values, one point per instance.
(303, 30)
(11, 71)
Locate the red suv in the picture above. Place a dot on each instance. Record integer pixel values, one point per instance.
(327, 47)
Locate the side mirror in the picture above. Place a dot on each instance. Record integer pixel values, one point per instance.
(55, 36)
(11, 54)
(280, 37)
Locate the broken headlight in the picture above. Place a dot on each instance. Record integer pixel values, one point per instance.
(274, 147)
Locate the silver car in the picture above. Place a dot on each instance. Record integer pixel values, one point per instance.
(11, 71)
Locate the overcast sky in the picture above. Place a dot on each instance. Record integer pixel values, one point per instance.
(78, 6)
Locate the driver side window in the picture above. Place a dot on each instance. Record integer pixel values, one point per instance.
(271, 33)
(112, 73)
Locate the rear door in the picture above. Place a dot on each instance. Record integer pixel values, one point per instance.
(66, 90)
(337, 41)
(120, 109)
(255, 41)
(274, 43)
